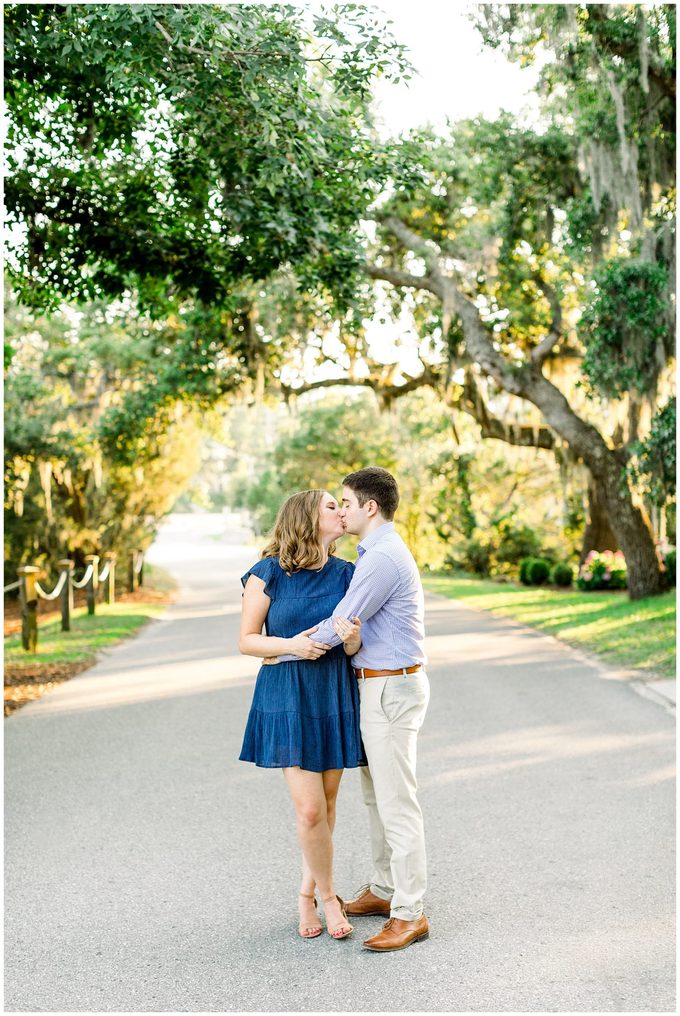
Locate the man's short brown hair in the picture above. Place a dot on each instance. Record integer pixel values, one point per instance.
(375, 484)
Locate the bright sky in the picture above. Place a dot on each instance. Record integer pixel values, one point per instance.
(457, 76)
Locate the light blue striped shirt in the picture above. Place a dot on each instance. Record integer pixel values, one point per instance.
(387, 595)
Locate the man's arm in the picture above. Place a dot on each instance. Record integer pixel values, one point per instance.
(374, 579)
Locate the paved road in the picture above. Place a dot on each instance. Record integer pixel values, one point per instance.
(148, 870)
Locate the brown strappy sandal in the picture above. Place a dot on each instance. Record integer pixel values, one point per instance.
(309, 931)
(337, 931)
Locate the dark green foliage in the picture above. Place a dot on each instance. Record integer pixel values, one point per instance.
(477, 557)
(625, 327)
(654, 464)
(671, 567)
(183, 148)
(515, 543)
(562, 575)
(452, 512)
(583, 233)
(538, 571)
(534, 571)
(194, 359)
(524, 570)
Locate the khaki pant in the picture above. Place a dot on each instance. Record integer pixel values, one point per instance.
(392, 712)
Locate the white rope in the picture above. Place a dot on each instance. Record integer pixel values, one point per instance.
(11, 586)
(85, 579)
(104, 573)
(57, 589)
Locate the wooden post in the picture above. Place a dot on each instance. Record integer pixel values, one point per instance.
(28, 574)
(131, 570)
(140, 559)
(93, 584)
(110, 588)
(66, 597)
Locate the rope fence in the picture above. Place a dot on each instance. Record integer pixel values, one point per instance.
(96, 584)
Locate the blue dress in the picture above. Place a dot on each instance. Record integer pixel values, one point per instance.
(305, 712)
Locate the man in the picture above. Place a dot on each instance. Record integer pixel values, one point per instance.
(387, 596)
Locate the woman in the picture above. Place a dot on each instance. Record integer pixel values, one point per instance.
(304, 717)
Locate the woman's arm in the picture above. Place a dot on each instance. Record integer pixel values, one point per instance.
(349, 632)
(253, 643)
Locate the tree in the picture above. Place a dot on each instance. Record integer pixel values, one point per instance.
(609, 80)
(328, 438)
(175, 156)
(498, 225)
(451, 494)
(179, 150)
(65, 495)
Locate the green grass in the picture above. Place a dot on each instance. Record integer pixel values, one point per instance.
(637, 635)
(88, 635)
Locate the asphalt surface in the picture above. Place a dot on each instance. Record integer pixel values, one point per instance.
(148, 870)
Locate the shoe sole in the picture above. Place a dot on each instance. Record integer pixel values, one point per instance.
(397, 948)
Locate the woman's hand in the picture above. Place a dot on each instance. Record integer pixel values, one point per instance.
(349, 632)
(305, 647)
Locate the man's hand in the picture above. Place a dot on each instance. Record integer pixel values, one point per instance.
(305, 647)
(349, 632)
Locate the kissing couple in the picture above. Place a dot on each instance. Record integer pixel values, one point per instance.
(343, 685)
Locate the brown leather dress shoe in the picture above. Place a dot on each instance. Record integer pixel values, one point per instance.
(367, 904)
(397, 934)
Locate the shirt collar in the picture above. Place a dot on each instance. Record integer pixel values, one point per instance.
(374, 536)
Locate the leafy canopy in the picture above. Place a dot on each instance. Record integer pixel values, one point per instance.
(182, 148)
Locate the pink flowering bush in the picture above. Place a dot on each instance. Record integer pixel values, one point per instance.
(603, 570)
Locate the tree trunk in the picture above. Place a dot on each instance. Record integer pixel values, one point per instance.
(634, 532)
(629, 522)
(598, 534)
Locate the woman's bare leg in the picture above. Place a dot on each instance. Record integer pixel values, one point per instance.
(315, 821)
(331, 785)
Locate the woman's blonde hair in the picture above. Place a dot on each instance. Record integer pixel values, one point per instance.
(295, 538)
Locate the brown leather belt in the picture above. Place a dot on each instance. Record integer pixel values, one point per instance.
(365, 672)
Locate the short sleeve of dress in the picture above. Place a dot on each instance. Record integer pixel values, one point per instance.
(267, 569)
(347, 573)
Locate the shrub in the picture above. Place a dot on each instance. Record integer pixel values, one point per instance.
(524, 570)
(668, 557)
(538, 571)
(562, 575)
(477, 557)
(533, 571)
(516, 542)
(605, 570)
